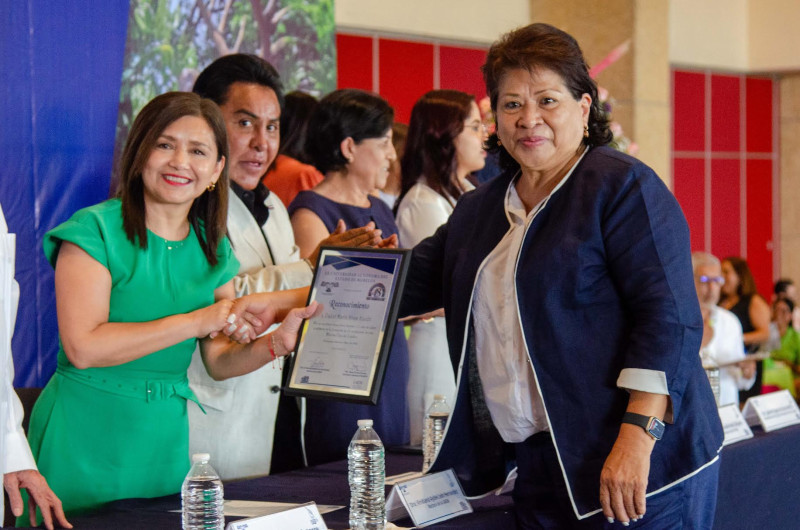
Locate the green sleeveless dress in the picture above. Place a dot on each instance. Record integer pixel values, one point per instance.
(102, 434)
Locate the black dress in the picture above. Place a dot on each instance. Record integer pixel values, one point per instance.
(742, 312)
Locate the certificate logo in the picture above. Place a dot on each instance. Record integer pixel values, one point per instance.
(377, 292)
(328, 287)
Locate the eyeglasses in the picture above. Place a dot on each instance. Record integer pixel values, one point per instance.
(478, 128)
(719, 280)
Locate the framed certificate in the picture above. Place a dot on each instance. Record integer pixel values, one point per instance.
(342, 352)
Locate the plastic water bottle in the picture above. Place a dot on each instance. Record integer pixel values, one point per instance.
(433, 430)
(367, 474)
(201, 496)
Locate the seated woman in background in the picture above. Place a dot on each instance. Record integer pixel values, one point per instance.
(739, 296)
(350, 142)
(782, 370)
(445, 145)
(139, 279)
(391, 190)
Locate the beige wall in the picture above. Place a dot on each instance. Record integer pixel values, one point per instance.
(789, 180)
(735, 35)
(774, 35)
(708, 33)
(476, 21)
(732, 35)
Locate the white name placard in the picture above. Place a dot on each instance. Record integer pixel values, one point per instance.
(305, 517)
(734, 424)
(773, 411)
(429, 499)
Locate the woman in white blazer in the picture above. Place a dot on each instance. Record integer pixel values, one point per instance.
(445, 145)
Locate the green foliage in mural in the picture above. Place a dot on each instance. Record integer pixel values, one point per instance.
(170, 41)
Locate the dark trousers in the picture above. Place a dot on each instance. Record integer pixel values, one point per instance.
(541, 499)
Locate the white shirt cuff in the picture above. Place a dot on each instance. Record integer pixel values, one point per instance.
(652, 381)
(18, 453)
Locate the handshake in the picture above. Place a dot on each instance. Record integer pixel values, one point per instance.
(245, 319)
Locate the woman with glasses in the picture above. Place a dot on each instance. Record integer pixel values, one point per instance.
(444, 146)
(722, 333)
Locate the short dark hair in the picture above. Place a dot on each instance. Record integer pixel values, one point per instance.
(436, 120)
(782, 285)
(215, 81)
(294, 124)
(209, 212)
(544, 46)
(347, 113)
(784, 300)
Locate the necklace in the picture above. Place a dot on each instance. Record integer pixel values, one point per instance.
(172, 244)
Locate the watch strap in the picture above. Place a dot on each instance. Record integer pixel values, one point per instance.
(651, 425)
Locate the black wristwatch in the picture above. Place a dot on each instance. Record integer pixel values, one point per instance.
(651, 425)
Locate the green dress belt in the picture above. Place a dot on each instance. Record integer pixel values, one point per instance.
(150, 389)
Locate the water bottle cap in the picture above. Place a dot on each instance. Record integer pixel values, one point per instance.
(438, 397)
(365, 423)
(200, 457)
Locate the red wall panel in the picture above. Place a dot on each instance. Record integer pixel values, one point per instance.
(689, 189)
(353, 62)
(725, 208)
(759, 115)
(759, 223)
(689, 111)
(406, 73)
(725, 115)
(460, 69)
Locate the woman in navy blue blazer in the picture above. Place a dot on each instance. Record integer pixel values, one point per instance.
(572, 320)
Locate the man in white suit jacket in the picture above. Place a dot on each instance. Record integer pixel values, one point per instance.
(16, 461)
(238, 426)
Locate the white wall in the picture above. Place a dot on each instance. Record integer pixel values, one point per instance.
(468, 21)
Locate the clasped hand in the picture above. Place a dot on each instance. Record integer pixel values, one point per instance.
(244, 319)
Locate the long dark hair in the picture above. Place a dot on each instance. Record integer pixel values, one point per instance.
(208, 214)
(747, 284)
(544, 46)
(294, 124)
(436, 120)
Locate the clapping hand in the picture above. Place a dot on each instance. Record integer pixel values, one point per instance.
(365, 236)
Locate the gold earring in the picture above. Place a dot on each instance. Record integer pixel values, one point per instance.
(499, 142)
(212, 186)
(586, 131)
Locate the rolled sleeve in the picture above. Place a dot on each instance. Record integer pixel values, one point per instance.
(652, 381)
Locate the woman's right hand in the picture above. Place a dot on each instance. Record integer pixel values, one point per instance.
(212, 319)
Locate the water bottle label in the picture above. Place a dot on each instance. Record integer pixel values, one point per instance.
(305, 517)
(428, 500)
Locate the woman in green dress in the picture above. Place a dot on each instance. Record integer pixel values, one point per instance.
(139, 279)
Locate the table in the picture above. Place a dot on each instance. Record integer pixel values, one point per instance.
(758, 481)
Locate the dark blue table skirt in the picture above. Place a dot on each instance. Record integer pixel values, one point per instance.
(759, 479)
(324, 484)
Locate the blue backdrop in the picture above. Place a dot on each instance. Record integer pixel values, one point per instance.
(61, 64)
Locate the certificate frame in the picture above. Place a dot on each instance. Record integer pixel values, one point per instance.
(342, 353)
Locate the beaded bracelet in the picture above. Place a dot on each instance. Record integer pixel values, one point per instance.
(272, 347)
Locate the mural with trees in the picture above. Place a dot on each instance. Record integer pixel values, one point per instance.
(170, 41)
